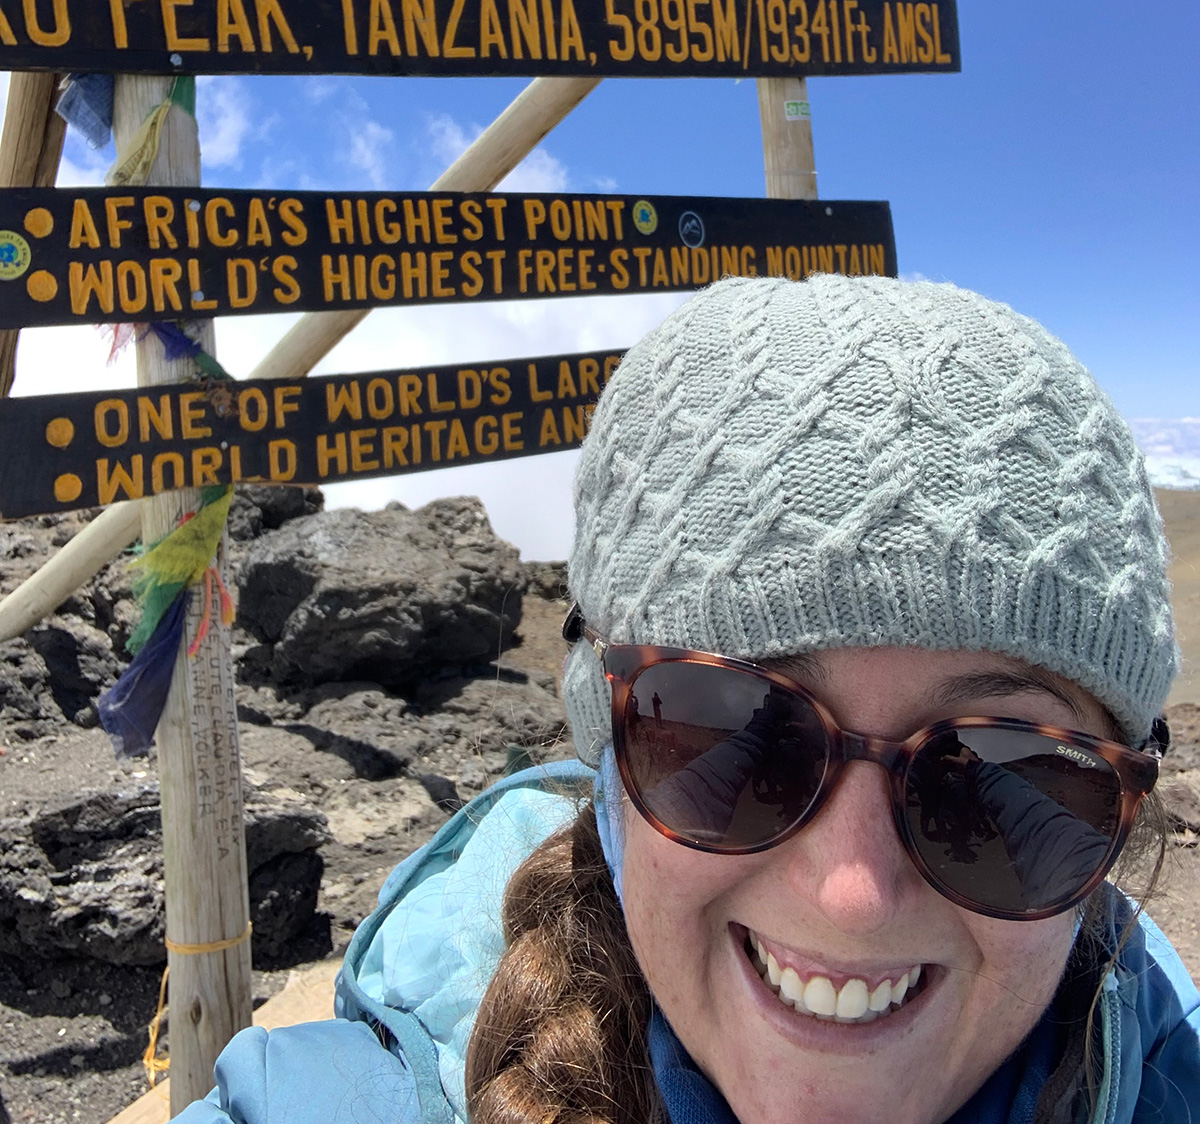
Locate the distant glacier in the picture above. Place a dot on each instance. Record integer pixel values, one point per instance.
(1172, 449)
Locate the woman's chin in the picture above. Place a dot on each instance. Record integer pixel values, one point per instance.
(782, 1063)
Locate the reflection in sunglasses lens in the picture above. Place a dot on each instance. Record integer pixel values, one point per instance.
(1012, 820)
(722, 757)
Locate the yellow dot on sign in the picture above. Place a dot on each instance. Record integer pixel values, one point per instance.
(68, 488)
(60, 432)
(39, 222)
(42, 286)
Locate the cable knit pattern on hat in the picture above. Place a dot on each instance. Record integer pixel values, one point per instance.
(784, 467)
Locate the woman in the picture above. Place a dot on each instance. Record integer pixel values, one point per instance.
(871, 640)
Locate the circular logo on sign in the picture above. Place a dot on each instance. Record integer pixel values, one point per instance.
(645, 217)
(691, 229)
(14, 255)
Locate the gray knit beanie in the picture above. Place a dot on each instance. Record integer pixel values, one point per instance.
(783, 467)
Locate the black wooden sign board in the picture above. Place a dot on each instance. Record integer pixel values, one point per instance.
(135, 255)
(660, 38)
(62, 452)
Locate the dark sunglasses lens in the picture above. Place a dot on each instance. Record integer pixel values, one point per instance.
(1012, 820)
(721, 757)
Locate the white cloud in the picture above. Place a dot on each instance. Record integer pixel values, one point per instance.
(539, 171)
(223, 106)
(82, 167)
(369, 144)
(448, 140)
(1172, 450)
(69, 360)
(321, 89)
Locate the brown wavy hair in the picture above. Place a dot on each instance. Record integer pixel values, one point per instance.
(560, 1037)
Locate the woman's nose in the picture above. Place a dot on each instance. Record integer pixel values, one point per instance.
(848, 863)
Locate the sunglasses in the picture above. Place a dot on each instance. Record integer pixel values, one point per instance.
(1011, 819)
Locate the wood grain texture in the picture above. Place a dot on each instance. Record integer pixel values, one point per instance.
(788, 161)
(306, 997)
(30, 152)
(204, 846)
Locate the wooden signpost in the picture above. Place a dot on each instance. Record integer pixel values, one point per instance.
(176, 252)
(83, 450)
(156, 254)
(199, 762)
(602, 38)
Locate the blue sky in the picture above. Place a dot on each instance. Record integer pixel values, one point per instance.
(1057, 173)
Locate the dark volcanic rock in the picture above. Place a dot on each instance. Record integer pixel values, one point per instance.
(54, 672)
(384, 596)
(26, 704)
(259, 507)
(84, 877)
(81, 664)
(546, 579)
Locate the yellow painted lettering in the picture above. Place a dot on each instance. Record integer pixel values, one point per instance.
(232, 22)
(191, 414)
(83, 227)
(87, 282)
(113, 206)
(62, 25)
(281, 455)
(381, 28)
(158, 466)
(548, 434)
(491, 34)
(253, 412)
(111, 418)
(165, 275)
(269, 12)
(362, 450)
(450, 49)
(420, 19)
(285, 403)
(326, 454)
(205, 463)
(110, 481)
(175, 42)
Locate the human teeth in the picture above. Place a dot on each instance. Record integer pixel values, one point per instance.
(819, 996)
(856, 1002)
(774, 972)
(881, 997)
(791, 987)
(852, 1000)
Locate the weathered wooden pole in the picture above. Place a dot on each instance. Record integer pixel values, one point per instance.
(493, 154)
(787, 138)
(30, 152)
(199, 768)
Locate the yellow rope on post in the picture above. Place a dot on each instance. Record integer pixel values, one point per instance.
(211, 946)
(151, 1062)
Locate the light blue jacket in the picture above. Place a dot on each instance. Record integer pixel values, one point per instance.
(418, 966)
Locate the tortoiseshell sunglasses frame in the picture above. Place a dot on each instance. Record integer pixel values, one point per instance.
(1136, 769)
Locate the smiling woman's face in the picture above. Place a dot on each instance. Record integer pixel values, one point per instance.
(841, 901)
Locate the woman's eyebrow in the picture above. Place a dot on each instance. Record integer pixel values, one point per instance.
(997, 684)
(803, 666)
